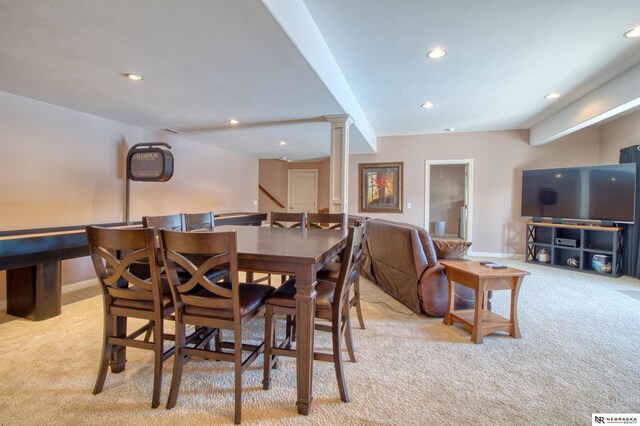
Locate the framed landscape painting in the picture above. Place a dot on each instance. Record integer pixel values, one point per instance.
(381, 187)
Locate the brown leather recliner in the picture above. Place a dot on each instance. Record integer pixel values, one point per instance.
(402, 261)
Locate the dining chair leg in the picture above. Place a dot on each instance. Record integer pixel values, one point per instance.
(157, 370)
(238, 375)
(178, 363)
(218, 340)
(290, 331)
(348, 338)
(356, 295)
(269, 340)
(337, 361)
(107, 349)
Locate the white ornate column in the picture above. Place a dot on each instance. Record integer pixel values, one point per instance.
(339, 163)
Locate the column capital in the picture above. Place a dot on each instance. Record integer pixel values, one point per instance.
(339, 119)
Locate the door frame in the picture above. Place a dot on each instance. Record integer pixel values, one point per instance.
(315, 172)
(469, 183)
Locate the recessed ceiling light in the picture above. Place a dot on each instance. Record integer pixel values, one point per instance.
(133, 76)
(427, 105)
(450, 129)
(436, 53)
(552, 95)
(634, 32)
(233, 121)
(283, 143)
(173, 131)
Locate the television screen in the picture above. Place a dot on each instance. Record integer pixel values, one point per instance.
(583, 193)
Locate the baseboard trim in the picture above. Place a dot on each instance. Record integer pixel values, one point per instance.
(80, 285)
(514, 256)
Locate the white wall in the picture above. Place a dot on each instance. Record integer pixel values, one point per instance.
(60, 167)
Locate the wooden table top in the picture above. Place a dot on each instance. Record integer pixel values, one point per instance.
(291, 244)
(476, 268)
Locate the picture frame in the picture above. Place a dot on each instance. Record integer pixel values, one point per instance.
(380, 187)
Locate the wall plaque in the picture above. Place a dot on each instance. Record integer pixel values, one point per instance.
(150, 164)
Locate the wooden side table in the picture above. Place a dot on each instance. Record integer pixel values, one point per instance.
(482, 279)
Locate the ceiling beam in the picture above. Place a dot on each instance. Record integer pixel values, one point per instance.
(615, 97)
(296, 21)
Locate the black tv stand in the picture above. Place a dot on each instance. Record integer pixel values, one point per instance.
(577, 242)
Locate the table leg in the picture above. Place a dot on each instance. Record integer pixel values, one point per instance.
(35, 292)
(305, 318)
(452, 289)
(476, 334)
(514, 307)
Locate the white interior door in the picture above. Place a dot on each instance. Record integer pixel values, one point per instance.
(303, 191)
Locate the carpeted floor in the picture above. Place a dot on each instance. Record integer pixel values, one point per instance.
(579, 354)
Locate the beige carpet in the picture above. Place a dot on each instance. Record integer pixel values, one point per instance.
(579, 354)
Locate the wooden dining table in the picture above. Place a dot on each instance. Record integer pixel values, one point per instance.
(297, 252)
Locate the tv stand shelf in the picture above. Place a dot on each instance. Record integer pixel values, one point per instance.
(580, 243)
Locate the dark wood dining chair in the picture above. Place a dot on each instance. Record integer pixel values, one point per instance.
(115, 253)
(288, 220)
(173, 222)
(354, 301)
(214, 305)
(283, 220)
(332, 304)
(177, 222)
(198, 221)
(327, 220)
(331, 270)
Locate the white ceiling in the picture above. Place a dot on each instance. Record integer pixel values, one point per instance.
(206, 61)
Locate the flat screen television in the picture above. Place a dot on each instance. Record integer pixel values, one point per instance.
(593, 193)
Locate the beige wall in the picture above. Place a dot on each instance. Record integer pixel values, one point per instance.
(274, 177)
(498, 161)
(60, 167)
(618, 134)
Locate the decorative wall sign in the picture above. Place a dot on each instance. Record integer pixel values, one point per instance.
(380, 188)
(150, 164)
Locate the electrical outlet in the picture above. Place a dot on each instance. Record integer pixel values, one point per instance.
(408, 205)
(255, 202)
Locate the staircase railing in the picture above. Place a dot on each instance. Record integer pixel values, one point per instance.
(271, 197)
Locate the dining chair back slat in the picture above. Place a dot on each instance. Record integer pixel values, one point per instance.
(199, 221)
(327, 220)
(288, 220)
(173, 222)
